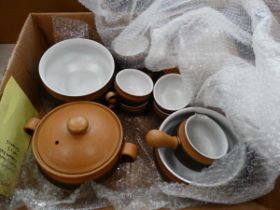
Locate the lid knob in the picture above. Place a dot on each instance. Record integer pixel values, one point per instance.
(77, 125)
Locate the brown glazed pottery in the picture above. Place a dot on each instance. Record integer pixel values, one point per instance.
(77, 69)
(166, 173)
(78, 142)
(203, 145)
(159, 111)
(92, 96)
(134, 109)
(133, 88)
(169, 94)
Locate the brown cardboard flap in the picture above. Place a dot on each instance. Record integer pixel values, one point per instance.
(13, 14)
(23, 64)
(44, 22)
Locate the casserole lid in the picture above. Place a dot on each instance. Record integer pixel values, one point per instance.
(77, 138)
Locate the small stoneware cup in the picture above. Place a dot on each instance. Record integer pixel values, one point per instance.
(200, 137)
(77, 69)
(170, 95)
(133, 89)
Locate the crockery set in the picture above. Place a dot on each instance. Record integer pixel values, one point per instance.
(68, 143)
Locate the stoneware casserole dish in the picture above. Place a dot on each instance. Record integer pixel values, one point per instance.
(78, 142)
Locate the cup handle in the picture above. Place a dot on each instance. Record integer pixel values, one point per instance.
(111, 98)
(31, 125)
(157, 139)
(130, 150)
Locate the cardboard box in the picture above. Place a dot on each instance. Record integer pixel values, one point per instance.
(14, 12)
(35, 38)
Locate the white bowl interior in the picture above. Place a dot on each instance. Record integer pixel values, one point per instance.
(76, 67)
(134, 82)
(206, 136)
(170, 94)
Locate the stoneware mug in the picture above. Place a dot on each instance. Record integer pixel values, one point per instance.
(199, 136)
(77, 69)
(133, 89)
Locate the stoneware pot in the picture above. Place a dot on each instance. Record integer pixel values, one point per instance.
(77, 69)
(199, 136)
(133, 89)
(170, 94)
(175, 170)
(78, 142)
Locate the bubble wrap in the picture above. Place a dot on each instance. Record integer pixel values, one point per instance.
(67, 28)
(113, 16)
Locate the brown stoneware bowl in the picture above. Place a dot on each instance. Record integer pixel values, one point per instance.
(78, 142)
(170, 94)
(77, 69)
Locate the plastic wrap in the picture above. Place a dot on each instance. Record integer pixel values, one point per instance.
(67, 28)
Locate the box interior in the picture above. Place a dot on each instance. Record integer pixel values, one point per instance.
(13, 14)
(35, 38)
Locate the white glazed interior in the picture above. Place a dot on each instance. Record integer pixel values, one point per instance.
(169, 92)
(76, 67)
(206, 136)
(134, 82)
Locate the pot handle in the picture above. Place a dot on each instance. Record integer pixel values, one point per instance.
(111, 98)
(31, 125)
(157, 139)
(130, 150)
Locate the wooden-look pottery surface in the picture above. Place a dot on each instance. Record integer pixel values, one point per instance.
(159, 111)
(133, 89)
(77, 69)
(164, 171)
(133, 86)
(78, 142)
(172, 162)
(128, 98)
(90, 97)
(134, 109)
(157, 139)
(169, 93)
(184, 141)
